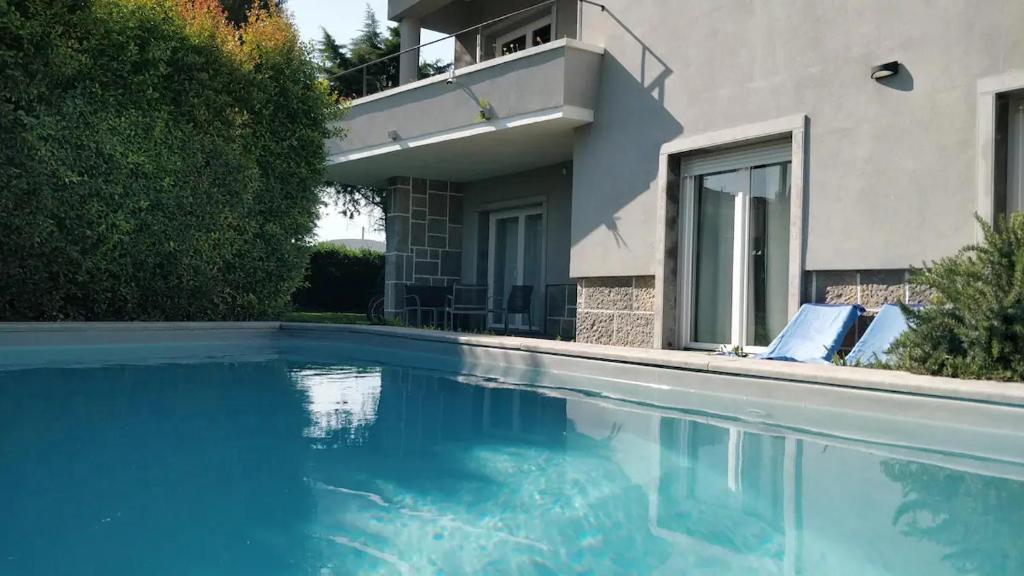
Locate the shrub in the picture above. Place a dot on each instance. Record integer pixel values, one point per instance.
(339, 279)
(974, 327)
(155, 162)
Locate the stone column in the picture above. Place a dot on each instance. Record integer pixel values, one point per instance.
(424, 237)
(409, 62)
(397, 253)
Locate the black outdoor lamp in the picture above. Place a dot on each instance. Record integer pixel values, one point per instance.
(885, 70)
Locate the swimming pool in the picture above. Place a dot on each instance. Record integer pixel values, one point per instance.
(299, 456)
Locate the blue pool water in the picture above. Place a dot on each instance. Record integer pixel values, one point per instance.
(286, 466)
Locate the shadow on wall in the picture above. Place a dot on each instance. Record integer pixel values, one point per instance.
(902, 80)
(631, 110)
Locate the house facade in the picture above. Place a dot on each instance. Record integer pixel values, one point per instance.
(684, 174)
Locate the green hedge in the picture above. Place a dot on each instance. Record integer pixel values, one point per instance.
(340, 279)
(155, 163)
(974, 326)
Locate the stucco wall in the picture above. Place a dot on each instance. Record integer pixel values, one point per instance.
(552, 184)
(891, 166)
(546, 78)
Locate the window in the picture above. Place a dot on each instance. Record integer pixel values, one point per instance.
(533, 34)
(516, 257)
(1010, 154)
(735, 236)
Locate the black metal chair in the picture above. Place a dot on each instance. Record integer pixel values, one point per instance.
(465, 300)
(422, 298)
(519, 301)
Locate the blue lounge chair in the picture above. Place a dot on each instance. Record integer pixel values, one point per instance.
(874, 345)
(814, 334)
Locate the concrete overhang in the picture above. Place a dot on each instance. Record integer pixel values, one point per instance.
(534, 100)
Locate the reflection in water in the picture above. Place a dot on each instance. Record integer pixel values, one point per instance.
(724, 487)
(297, 468)
(977, 520)
(341, 400)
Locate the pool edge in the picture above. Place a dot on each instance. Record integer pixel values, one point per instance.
(891, 381)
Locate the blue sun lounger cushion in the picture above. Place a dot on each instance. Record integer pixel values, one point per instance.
(874, 345)
(814, 334)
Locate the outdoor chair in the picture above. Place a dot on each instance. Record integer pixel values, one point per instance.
(874, 345)
(465, 300)
(421, 298)
(519, 301)
(814, 334)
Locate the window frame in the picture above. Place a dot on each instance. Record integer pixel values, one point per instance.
(667, 272)
(520, 213)
(990, 90)
(1013, 164)
(527, 30)
(742, 160)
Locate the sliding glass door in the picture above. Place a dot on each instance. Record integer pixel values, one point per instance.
(735, 257)
(516, 254)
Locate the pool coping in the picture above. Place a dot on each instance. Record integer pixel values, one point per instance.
(892, 381)
(985, 391)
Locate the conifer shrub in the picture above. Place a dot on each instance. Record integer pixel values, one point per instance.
(974, 326)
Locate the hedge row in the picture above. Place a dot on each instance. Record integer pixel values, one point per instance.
(155, 162)
(340, 279)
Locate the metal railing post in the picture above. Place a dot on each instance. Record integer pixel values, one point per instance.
(554, 20)
(479, 43)
(579, 20)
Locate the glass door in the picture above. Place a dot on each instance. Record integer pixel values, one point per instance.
(516, 254)
(735, 260)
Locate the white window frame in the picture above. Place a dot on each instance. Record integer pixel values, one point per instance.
(520, 213)
(989, 89)
(796, 127)
(742, 161)
(1015, 150)
(527, 30)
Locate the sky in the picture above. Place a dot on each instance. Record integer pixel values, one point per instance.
(343, 19)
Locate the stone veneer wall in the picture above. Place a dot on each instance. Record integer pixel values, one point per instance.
(616, 310)
(424, 237)
(869, 288)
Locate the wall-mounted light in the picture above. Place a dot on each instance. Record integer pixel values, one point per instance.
(885, 70)
(392, 135)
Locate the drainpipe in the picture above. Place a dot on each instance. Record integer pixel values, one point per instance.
(409, 62)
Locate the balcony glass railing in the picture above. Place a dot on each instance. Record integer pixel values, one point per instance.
(501, 36)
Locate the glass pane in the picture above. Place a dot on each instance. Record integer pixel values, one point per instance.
(533, 259)
(1015, 158)
(768, 277)
(506, 261)
(716, 212)
(514, 45)
(542, 35)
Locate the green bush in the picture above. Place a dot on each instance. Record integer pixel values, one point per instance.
(974, 327)
(155, 162)
(340, 279)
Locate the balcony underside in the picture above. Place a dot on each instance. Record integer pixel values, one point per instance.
(473, 153)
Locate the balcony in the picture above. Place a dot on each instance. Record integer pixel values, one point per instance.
(512, 112)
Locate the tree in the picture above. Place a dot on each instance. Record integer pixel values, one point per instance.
(974, 327)
(237, 11)
(155, 162)
(338, 62)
